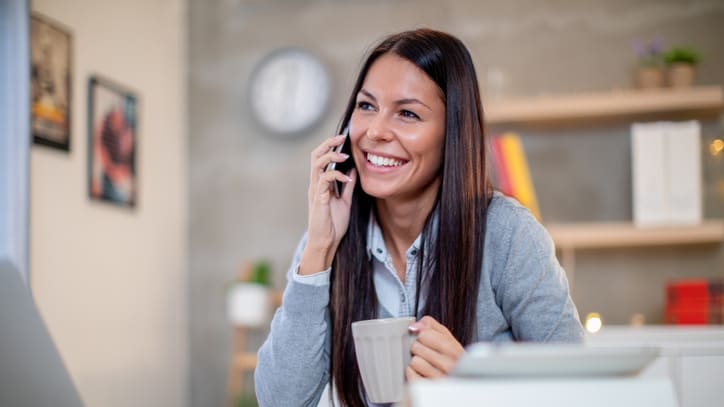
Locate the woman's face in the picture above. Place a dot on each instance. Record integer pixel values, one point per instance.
(398, 130)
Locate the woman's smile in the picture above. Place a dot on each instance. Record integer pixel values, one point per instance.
(382, 162)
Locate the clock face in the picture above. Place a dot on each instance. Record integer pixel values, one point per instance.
(289, 91)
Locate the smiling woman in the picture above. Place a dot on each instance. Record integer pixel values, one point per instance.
(417, 231)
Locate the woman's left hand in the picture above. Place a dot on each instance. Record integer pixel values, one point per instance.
(435, 351)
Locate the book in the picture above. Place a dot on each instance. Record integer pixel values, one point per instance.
(666, 173)
(694, 302)
(511, 172)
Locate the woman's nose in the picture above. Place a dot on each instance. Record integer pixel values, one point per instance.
(379, 130)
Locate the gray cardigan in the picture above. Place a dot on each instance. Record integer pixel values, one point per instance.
(523, 296)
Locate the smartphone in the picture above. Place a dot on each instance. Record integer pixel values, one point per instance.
(344, 167)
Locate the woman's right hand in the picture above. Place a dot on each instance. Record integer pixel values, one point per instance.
(328, 216)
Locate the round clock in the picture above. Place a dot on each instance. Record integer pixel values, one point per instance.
(289, 91)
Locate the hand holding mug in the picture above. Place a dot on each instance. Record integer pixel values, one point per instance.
(435, 352)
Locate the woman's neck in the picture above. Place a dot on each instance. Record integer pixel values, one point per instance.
(402, 220)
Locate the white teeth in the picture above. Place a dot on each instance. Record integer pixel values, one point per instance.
(383, 161)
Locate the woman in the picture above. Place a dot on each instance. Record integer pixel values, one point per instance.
(417, 231)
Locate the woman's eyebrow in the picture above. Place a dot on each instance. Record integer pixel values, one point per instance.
(404, 101)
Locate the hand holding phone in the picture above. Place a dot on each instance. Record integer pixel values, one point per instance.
(328, 218)
(345, 166)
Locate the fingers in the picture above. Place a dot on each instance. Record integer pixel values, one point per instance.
(422, 368)
(430, 322)
(411, 374)
(326, 146)
(440, 361)
(436, 336)
(324, 184)
(323, 155)
(349, 188)
(330, 176)
(320, 165)
(436, 345)
(445, 344)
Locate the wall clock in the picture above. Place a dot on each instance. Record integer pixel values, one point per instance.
(289, 91)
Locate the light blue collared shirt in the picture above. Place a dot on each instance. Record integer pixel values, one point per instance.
(396, 297)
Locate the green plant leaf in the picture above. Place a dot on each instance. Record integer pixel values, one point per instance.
(261, 273)
(685, 55)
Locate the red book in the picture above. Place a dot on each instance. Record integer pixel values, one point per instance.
(694, 301)
(499, 167)
(687, 315)
(684, 291)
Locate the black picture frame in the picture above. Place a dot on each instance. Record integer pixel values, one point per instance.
(51, 67)
(112, 142)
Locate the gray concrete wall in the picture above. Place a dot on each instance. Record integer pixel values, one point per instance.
(248, 191)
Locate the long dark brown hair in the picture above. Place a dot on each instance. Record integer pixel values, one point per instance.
(453, 254)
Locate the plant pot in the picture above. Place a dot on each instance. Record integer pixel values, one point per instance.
(649, 77)
(247, 304)
(681, 75)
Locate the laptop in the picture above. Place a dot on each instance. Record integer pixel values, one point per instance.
(530, 360)
(32, 372)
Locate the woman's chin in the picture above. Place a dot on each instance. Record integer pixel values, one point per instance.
(379, 190)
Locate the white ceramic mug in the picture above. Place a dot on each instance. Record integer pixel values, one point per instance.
(383, 352)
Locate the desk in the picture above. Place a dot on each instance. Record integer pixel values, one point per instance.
(692, 357)
(590, 392)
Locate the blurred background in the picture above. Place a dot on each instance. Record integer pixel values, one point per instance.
(136, 299)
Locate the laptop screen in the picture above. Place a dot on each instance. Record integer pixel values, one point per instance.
(32, 372)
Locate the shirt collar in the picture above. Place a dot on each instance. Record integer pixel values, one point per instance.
(376, 241)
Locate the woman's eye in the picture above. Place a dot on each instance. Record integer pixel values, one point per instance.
(364, 106)
(409, 115)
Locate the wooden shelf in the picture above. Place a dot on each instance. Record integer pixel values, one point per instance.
(612, 235)
(245, 361)
(616, 104)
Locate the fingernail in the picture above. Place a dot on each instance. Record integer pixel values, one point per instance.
(343, 155)
(414, 328)
(349, 179)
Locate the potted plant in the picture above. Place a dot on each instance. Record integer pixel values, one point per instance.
(681, 62)
(247, 299)
(649, 70)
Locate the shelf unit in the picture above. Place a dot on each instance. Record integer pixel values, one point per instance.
(242, 361)
(696, 101)
(571, 237)
(624, 234)
(589, 109)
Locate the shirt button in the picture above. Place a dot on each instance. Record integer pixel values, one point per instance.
(402, 297)
(414, 252)
(379, 250)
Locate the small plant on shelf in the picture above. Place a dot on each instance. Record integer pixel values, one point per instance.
(681, 63)
(247, 298)
(682, 55)
(260, 273)
(650, 62)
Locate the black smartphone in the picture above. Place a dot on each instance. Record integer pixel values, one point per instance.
(345, 166)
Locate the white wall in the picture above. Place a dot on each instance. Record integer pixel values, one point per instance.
(111, 282)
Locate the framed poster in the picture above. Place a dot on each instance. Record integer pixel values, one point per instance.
(112, 143)
(50, 82)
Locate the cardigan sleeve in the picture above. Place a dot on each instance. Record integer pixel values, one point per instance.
(532, 288)
(293, 362)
